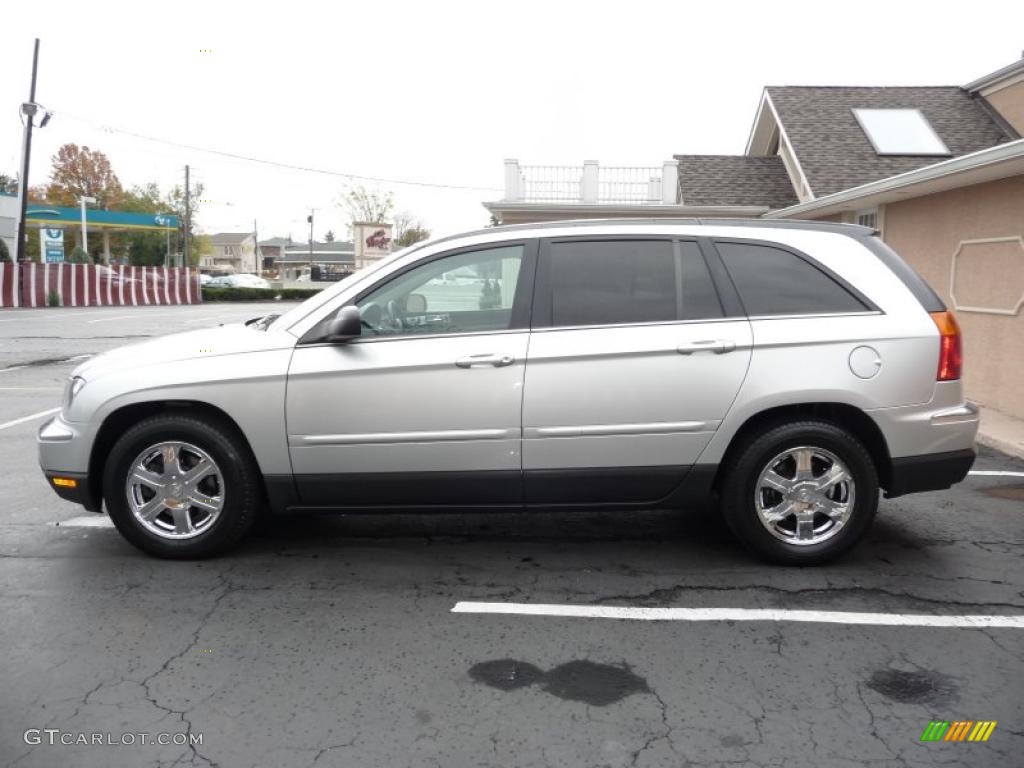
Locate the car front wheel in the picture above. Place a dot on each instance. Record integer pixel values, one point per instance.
(178, 486)
(800, 493)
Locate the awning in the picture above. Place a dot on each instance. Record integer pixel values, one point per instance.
(42, 215)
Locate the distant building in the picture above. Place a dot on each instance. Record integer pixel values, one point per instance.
(232, 252)
(332, 260)
(271, 251)
(9, 213)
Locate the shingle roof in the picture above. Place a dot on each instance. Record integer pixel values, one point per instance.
(834, 151)
(229, 238)
(338, 246)
(734, 180)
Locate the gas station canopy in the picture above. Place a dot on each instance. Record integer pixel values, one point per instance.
(51, 217)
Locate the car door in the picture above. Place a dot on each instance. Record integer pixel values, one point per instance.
(633, 363)
(425, 407)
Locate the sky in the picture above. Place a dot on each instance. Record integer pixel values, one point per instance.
(442, 92)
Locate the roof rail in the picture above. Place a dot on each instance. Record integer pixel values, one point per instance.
(852, 230)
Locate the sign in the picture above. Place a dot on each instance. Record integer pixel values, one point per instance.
(372, 242)
(99, 219)
(51, 244)
(379, 239)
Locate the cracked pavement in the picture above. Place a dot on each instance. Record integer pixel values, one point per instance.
(330, 642)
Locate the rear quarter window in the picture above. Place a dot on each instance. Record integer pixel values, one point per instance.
(775, 281)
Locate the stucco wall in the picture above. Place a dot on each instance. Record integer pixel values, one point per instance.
(1009, 102)
(928, 231)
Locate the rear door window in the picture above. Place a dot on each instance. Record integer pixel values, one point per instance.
(614, 282)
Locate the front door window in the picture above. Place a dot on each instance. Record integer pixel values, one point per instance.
(468, 292)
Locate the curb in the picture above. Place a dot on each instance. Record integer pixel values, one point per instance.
(1009, 447)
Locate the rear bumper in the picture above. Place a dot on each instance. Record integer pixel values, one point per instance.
(930, 472)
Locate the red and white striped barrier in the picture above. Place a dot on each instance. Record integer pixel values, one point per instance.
(94, 285)
(8, 284)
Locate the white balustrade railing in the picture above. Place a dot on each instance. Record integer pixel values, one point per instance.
(591, 183)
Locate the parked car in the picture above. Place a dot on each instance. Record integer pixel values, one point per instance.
(789, 369)
(237, 281)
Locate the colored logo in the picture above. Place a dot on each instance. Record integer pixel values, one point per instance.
(378, 239)
(959, 730)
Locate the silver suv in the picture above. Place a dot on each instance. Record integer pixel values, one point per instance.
(789, 369)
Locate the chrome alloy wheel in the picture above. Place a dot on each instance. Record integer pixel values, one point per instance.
(175, 490)
(804, 495)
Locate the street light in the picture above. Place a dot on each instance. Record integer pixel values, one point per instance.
(85, 232)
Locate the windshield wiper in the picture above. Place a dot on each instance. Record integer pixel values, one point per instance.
(262, 323)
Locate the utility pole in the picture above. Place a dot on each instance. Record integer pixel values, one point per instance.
(188, 218)
(29, 111)
(256, 239)
(310, 220)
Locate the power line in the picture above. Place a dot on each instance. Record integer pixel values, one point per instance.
(275, 163)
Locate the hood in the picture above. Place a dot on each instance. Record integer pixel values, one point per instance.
(206, 342)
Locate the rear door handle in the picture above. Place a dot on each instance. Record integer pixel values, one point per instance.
(487, 358)
(718, 346)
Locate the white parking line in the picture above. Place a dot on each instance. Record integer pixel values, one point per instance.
(23, 419)
(995, 473)
(742, 614)
(86, 521)
(13, 368)
(115, 317)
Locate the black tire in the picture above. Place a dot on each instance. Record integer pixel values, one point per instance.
(241, 478)
(744, 465)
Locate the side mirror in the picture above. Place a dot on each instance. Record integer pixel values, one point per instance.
(346, 325)
(415, 304)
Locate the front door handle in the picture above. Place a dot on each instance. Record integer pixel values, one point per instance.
(718, 346)
(487, 358)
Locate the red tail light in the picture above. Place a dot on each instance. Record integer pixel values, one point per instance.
(950, 354)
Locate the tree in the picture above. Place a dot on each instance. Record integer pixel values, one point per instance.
(365, 205)
(8, 184)
(408, 229)
(201, 246)
(329, 237)
(5, 254)
(82, 172)
(143, 248)
(175, 201)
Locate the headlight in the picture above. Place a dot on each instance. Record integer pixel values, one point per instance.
(74, 386)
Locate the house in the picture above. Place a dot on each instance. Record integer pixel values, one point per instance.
(937, 170)
(231, 252)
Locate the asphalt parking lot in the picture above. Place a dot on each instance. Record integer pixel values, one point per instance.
(333, 641)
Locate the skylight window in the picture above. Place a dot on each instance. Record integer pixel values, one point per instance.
(900, 132)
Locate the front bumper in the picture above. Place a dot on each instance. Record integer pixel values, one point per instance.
(81, 492)
(930, 472)
(64, 459)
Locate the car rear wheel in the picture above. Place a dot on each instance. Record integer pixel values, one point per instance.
(800, 493)
(177, 486)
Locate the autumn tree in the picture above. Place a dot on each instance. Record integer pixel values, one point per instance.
(82, 172)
